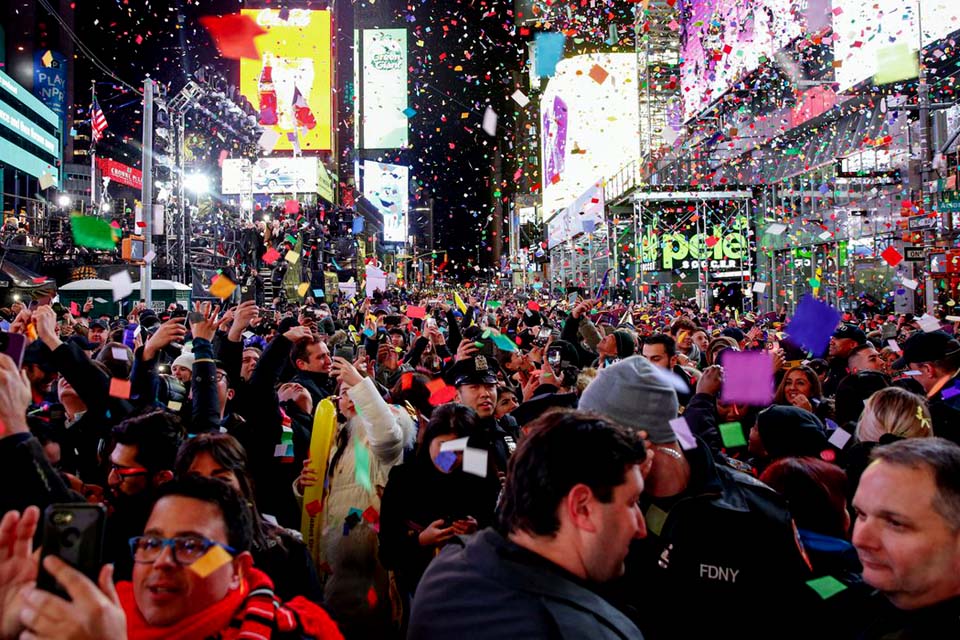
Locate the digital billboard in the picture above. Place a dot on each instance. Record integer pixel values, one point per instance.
(589, 120)
(29, 132)
(723, 40)
(290, 85)
(50, 81)
(383, 90)
(863, 29)
(270, 175)
(387, 187)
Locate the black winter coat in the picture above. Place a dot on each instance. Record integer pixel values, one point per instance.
(417, 494)
(491, 588)
(724, 550)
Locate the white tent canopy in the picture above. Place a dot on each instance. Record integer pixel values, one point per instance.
(96, 284)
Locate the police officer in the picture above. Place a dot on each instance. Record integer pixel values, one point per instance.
(722, 558)
(475, 378)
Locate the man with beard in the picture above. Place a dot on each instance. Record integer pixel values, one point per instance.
(141, 458)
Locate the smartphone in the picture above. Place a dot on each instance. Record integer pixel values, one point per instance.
(545, 332)
(432, 323)
(74, 532)
(554, 358)
(14, 345)
(344, 351)
(248, 292)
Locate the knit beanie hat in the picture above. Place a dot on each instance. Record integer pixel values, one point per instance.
(635, 394)
(626, 346)
(791, 431)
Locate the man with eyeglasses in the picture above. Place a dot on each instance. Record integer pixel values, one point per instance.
(193, 577)
(141, 456)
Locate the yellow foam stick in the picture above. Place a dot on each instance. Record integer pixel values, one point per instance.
(212, 560)
(459, 302)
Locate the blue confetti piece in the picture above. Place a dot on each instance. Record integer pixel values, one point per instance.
(445, 460)
(812, 324)
(549, 51)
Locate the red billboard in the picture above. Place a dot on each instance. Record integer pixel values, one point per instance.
(119, 172)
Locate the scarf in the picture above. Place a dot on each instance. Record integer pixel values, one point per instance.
(252, 611)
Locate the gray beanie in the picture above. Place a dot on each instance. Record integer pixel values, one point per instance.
(636, 394)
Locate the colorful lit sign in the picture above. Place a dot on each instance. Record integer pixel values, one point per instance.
(722, 252)
(291, 83)
(50, 81)
(590, 128)
(270, 175)
(387, 187)
(384, 89)
(29, 132)
(119, 172)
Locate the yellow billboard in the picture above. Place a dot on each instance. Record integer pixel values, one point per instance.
(290, 84)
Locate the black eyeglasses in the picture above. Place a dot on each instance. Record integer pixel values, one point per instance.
(186, 549)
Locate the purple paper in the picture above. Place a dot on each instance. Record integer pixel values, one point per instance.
(554, 134)
(812, 325)
(445, 460)
(747, 378)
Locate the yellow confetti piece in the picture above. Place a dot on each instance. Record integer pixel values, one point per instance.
(212, 560)
(302, 289)
(223, 287)
(292, 257)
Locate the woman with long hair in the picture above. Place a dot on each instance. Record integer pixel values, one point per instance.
(278, 552)
(431, 499)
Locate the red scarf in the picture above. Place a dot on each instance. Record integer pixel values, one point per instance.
(250, 611)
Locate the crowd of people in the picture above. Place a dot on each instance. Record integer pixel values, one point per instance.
(416, 464)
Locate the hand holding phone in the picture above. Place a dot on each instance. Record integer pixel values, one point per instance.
(73, 532)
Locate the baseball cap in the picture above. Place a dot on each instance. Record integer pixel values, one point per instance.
(850, 332)
(927, 347)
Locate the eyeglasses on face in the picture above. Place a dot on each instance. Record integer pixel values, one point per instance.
(186, 549)
(128, 472)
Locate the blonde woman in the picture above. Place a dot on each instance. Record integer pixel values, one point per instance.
(896, 412)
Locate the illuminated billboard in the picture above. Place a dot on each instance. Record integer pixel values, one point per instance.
(29, 132)
(270, 175)
(290, 85)
(589, 120)
(383, 94)
(387, 187)
(724, 40)
(863, 29)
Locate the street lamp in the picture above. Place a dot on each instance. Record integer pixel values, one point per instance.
(63, 200)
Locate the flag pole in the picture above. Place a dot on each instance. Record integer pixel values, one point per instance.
(93, 150)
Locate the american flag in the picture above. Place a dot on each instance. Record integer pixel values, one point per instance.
(98, 122)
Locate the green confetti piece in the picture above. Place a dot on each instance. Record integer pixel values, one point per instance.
(486, 334)
(504, 343)
(656, 518)
(732, 435)
(494, 304)
(895, 63)
(478, 345)
(361, 463)
(92, 232)
(827, 586)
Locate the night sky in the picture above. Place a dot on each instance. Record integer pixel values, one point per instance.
(461, 58)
